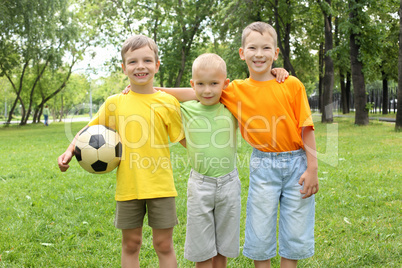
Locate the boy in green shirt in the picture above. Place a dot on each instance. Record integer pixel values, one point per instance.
(213, 193)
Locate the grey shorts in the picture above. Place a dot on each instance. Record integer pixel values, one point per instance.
(213, 216)
(161, 213)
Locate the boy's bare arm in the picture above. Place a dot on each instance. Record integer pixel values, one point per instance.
(180, 93)
(310, 176)
(66, 157)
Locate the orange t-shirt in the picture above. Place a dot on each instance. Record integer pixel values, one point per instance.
(271, 115)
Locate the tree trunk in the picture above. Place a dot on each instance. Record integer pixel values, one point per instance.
(284, 45)
(342, 83)
(384, 94)
(23, 112)
(327, 114)
(343, 92)
(398, 124)
(17, 91)
(359, 86)
(182, 67)
(31, 95)
(321, 75)
(348, 82)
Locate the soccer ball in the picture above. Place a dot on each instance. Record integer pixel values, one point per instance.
(98, 149)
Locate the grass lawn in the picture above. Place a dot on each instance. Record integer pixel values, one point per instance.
(54, 219)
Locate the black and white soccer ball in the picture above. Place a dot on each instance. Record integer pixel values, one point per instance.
(98, 149)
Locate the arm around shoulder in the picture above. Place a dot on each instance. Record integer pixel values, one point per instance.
(180, 93)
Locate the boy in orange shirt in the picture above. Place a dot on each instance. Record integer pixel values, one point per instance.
(275, 119)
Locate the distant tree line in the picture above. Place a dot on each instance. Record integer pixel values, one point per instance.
(330, 45)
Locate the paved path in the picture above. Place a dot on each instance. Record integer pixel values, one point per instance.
(385, 119)
(68, 119)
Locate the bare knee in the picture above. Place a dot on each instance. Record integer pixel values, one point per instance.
(163, 246)
(131, 244)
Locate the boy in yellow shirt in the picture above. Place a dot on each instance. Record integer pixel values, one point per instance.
(145, 119)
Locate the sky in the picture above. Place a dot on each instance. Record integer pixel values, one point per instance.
(103, 54)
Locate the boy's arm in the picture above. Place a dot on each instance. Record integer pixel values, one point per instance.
(310, 176)
(180, 93)
(66, 157)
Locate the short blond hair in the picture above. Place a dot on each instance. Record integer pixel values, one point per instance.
(208, 61)
(138, 41)
(260, 27)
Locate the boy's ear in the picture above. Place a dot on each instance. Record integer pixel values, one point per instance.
(226, 83)
(192, 83)
(276, 53)
(123, 67)
(241, 53)
(158, 64)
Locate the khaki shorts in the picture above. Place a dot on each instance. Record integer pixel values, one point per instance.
(213, 216)
(161, 213)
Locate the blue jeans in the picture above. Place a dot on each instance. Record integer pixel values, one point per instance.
(46, 118)
(274, 181)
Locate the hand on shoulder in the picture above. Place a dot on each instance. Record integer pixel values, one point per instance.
(280, 73)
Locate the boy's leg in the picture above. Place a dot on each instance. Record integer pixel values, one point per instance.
(162, 218)
(262, 264)
(129, 217)
(296, 221)
(262, 208)
(200, 244)
(219, 261)
(163, 244)
(131, 245)
(227, 215)
(204, 264)
(286, 263)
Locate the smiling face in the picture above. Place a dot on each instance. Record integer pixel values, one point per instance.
(141, 66)
(259, 51)
(208, 85)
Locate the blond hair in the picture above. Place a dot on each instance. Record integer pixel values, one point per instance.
(260, 27)
(138, 41)
(208, 61)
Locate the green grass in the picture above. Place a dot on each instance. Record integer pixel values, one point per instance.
(54, 219)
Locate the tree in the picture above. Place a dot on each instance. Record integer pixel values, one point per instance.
(327, 115)
(341, 53)
(36, 36)
(398, 124)
(359, 86)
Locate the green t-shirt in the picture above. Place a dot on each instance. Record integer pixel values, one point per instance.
(45, 111)
(211, 137)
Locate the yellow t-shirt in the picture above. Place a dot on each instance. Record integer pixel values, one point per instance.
(145, 122)
(270, 115)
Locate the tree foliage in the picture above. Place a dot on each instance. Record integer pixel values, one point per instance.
(40, 37)
(41, 40)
